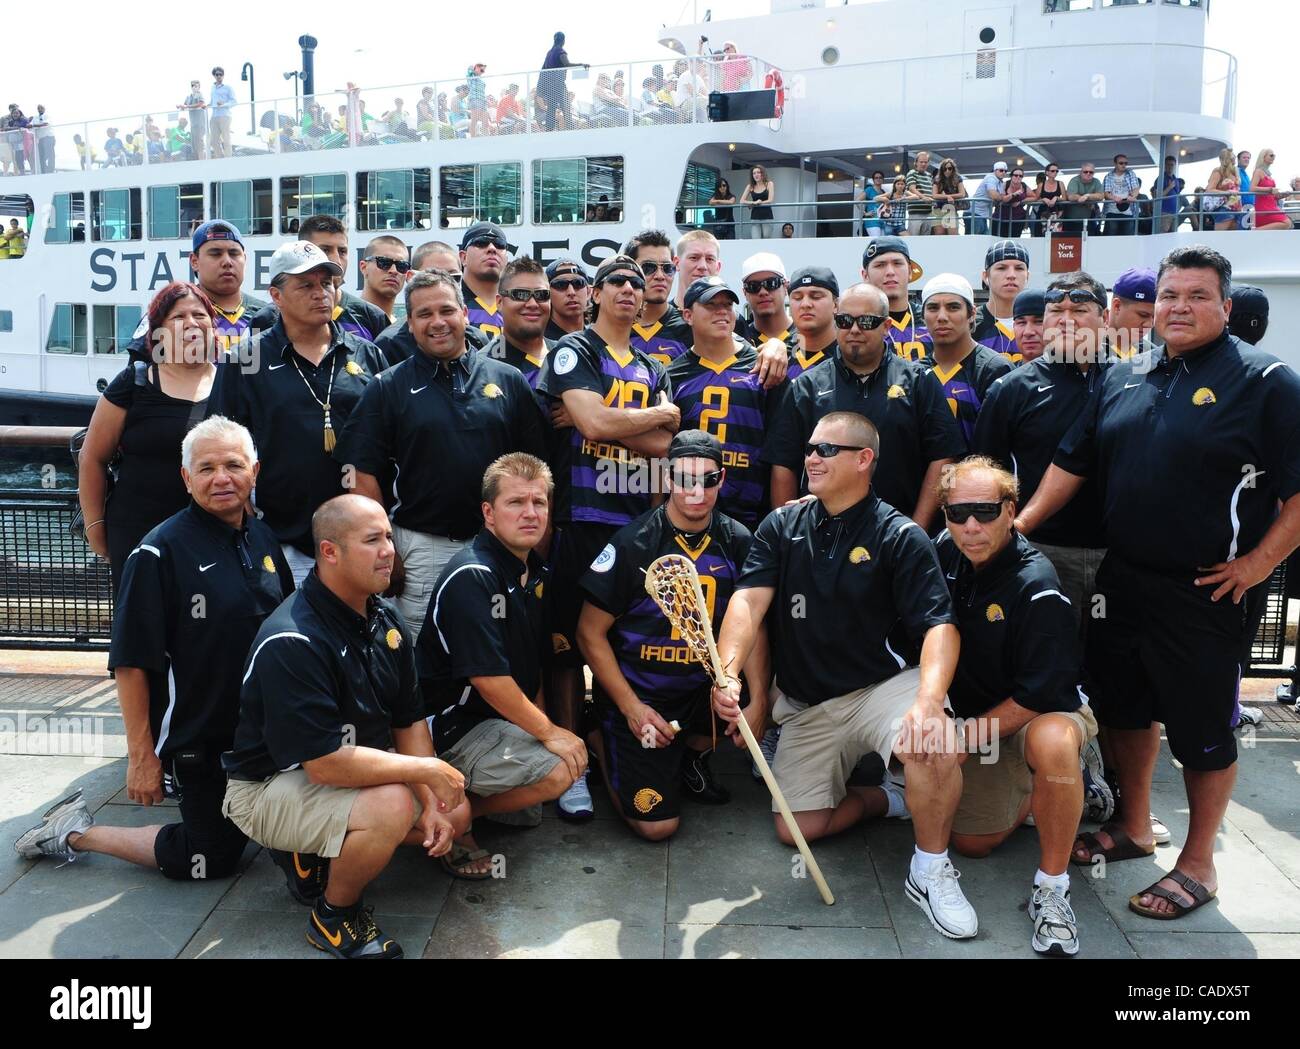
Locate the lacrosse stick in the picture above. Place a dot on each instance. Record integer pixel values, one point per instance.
(675, 586)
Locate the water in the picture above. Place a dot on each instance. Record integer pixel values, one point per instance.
(25, 468)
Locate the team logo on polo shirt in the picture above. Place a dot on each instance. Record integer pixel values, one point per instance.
(560, 643)
(994, 613)
(604, 560)
(646, 799)
(491, 390)
(565, 361)
(353, 368)
(895, 392)
(1204, 396)
(858, 555)
(268, 564)
(394, 638)
(537, 592)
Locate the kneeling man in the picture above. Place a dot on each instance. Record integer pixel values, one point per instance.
(480, 661)
(1016, 684)
(333, 766)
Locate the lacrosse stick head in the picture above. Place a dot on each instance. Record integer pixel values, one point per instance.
(675, 586)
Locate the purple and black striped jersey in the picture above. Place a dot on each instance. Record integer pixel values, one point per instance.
(604, 481)
(666, 339)
(483, 316)
(967, 383)
(911, 340)
(652, 656)
(998, 337)
(231, 328)
(800, 362)
(728, 401)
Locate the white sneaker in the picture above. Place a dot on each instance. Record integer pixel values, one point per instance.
(939, 895)
(1056, 932)
(1159, 831)
(1249, 716)
(50, 836)
(575, 803)
(1098, 800)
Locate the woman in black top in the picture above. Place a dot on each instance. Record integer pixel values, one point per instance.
(1010, 215)
(1050, 206)
(759, 193)
(724, 225)
(145, 414)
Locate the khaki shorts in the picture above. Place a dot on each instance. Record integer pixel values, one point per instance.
(290, 813)
(821, 744)
(424, 556)
(496, 756)
(993, 793)
(1076, 568)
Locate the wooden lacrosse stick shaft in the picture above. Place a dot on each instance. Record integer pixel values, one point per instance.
(719, 676)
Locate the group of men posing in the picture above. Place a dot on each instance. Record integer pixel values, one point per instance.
(511, 495)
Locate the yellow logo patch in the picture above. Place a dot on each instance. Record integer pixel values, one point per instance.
(1204, 396)
(895, 392)
(394, 638)
(646, 799)
(353, 368)
(537, 593)
(559, 643)
(858, 555)
(268, 564)
(491, 390)
(994, 614)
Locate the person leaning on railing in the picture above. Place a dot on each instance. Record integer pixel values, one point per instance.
(949, 195)
(893, 212)
(139, 423)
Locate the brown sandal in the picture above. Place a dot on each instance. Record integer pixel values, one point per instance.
(1199, 894)
(1123, 847)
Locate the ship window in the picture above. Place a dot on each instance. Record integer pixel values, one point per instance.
(302, 196)
(397, 199)
(114, 327)
(175, 211)
(1128, 3)
(6, 321)
(699, 185)
(246, 204)
(1185, 3)
(67, 329)
(1062, 7)
(67, 219)
(578, 189)
(469, 193)
(115, 214)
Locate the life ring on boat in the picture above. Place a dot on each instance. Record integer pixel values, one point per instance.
(772, 81)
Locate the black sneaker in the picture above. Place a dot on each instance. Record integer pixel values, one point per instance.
(350, 934)
(304, 873)
(698, 780)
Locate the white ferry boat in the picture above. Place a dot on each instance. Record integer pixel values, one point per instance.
(1027, 81)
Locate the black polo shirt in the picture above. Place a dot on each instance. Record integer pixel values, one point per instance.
(905, 402)
(396, 343)
(353, 314)
(482, 622)
(1191, 453)
(193, 595)
(320, 677)
(441, 425)
(746, 329)
(269, 395)
(863, 586)
(554, 333)
(1020, 424)
(1018, 634)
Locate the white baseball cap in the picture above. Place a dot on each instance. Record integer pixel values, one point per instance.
(948, 284)
(301, 256)
(763, 262)
(1001, 165)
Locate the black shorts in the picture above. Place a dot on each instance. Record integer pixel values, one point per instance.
(204, 844)
(573, 547)
(648, 780)
(1163, 651)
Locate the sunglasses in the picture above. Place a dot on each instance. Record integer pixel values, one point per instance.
(827, 450)
(1053, 171)
(565, 285)
(386, 264)
(524, 294)
(651, 268)
(620, 279)
(487, 242)
(687, 481)
(1075, 295)
(867, 322)
(959, 513)
(753, 287)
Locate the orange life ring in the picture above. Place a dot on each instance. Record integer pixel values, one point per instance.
(773, 81)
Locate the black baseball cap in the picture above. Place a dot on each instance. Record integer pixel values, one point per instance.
(483, 229)
(1249, 319)
(815, 277)
(883, 246)
(695, 444)
(706, 289)
(1029, 303)
(565, 265)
